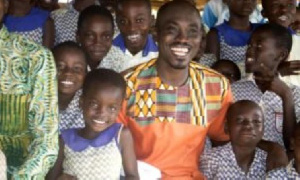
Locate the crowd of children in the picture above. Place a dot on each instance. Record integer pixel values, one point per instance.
(127, 95)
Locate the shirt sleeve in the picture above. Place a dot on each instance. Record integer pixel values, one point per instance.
(216, 130)
(42, 118)
(296, 96)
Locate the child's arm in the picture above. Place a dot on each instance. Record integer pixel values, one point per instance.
(128, 155)
(212, 43)
(57, 169)
(49, 34)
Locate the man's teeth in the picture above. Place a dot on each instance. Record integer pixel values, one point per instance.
(67, 82)
(99, 121)
(133, 37)
(283, 18)
(180, 51)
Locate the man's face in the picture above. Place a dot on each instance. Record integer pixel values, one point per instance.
(134, 22)
(280, 11)
(179, 37)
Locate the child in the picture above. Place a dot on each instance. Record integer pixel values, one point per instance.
(229, 40)
(48, 5)
(239, 159)
(71, 68)
(31, 22)
(269, 46)
(292, 171)
(296, 24)
(229, 69)
(65, 20)
(134, 43)
(282, 12)
(98, 150)
(95, 34)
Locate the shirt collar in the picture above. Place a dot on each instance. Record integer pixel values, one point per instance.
(149, 47)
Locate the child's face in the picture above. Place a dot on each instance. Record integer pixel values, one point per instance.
(263, 56)
(296, 25)
(245, 125)
(241, 7)
(71, 68)
(101, 106)
(228, 71)
(280, 11)
(179, 36)
(134, 22)
(95, 37)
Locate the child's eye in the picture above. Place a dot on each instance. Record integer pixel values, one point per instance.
(113, 109)
(122, 21)
(93, 105)
(107, 37)
(78, 69)
(140, 20)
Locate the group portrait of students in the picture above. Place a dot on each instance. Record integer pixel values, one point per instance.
(102, 89)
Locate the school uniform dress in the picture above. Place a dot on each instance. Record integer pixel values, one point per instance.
(120, 59)
(207, 60)
(30, 26)
(72, 116)
(287, 173)
(170, 124)
(271, 103)
(234, 43)
(99, 158)
(65, 22)
(28, 106)
(220, 163)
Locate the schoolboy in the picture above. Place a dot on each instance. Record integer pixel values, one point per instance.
(283, 12)
(134, 43)
(239, 159)
(229, 69)
(269, 46)
(71, 64)
(292, 171)
(65, 20)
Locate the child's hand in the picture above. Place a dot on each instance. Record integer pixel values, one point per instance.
(67, 177)
(288, 68)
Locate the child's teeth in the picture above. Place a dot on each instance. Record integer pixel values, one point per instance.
(283, 18)
(67, 82)
(133, 37)
(99, 121)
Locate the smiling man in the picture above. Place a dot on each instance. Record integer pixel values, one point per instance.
(28, 105)
(174, 103)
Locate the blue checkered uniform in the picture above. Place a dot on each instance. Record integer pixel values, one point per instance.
(220, 163)
(270, 102)
(287, 173)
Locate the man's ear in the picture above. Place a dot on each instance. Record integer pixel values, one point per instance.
(226, 128)
(283, 55)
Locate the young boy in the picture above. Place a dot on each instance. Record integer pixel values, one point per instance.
(134, 43)
(283, 12)
(292, 171)
(269, 46)
(65, 20)
(229, 69)
(71, 66)
(239, 159)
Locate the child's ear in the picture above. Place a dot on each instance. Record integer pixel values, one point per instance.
(292, 144)
(284, 54)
